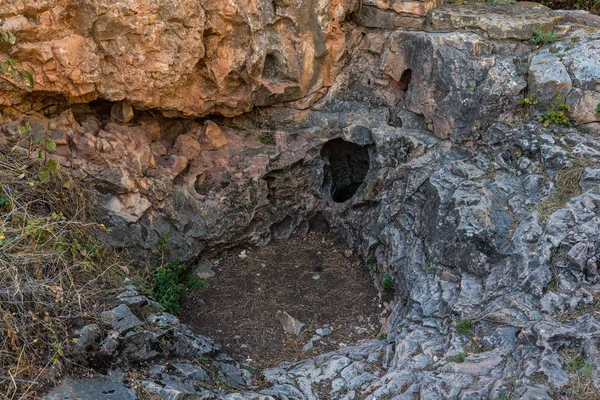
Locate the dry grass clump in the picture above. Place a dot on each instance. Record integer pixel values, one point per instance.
(581, 384)
(52, 269)
(566, 182)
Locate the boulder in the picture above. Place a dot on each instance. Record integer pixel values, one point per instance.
(121, 319)
(499, 22)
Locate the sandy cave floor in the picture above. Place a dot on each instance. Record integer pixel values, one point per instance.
(310, 278)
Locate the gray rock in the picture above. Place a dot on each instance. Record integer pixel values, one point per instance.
(323, 331)
(290, 324)
(87, 340)
(498, 21)
(190, 372)
(121, 319)
(548, 77)
(162, 320)
(204, 269)
(98, 388)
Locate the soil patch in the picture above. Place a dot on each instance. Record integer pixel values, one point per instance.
(310, 278)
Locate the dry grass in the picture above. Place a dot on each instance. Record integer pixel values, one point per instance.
(52, 270)
(566, 182)
(581, 386)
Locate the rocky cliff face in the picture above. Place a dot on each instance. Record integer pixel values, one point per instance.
(184, 58)
(414, 144)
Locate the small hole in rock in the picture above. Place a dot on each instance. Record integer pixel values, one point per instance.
(270, 67)
(405, 80)
(396, 121)
(347, 166)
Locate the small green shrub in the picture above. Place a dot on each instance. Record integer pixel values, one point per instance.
(459, 358)
(541, 37)
(8, 66)
(529, 101)
(598, 110)
(382, 336)
(173, 281)
(388, 282)
(371, 263)
(163, 243)
(556, 114)
(464, 327)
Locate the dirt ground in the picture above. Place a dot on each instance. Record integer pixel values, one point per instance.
(310, 278)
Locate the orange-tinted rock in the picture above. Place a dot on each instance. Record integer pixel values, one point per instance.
(185, 58)
(215, 137)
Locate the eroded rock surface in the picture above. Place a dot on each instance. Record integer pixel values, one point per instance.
(187, 58)
(463, 198)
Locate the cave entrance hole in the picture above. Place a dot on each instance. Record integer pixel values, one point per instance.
(346, 166)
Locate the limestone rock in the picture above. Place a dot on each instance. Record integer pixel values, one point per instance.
(97, 388)
(582, 18)
(191, 372)
(204, 269)
(214, 135)
(373, 17)
(290, 324)
(122, 112)
(500, 22)
(121, 318)
(415, 8)
(548, 77)
(187, 58)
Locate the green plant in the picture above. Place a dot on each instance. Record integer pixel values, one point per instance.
(541, 37)
(163, 243)
(459, 358)
(8, 66)
(382, 336)
(44, 147)
(171, 282)
(529, 101)
(598, 110)
(464, 327)
(371, 263)
(556, 114)
(248, 368)
(427, 266)
(387, 282)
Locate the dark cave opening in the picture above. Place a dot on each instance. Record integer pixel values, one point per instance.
(405, 80)
(346, 166)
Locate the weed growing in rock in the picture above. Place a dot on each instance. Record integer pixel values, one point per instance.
(598, 110)
(459, 358)
(371, 263)
(8, 66)
(464, 327)
(388, 282)
(382, 336)
(173, 281)
(526, 104)
(556, 114)
(581, 383)
(529, 101)
(541, 37)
